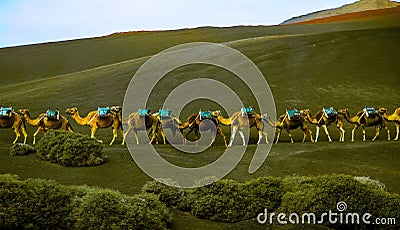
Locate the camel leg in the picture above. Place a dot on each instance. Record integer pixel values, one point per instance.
(316, 133)
(93, 131)
(341, 133)
(259, 137)
(377, 129)
(25, 133)
(36, 133)
(363, 130)
(352, 132)
(223, 135)
(388, 132)
(17, 134)
(290, 135)
(114, 131)
(278, 135)
(397, 131)
(327, 133)
(242, 136)
(163, 136)
(197, 136)
(123, 135)
(136, 136)
(232, 136)
(266, 136)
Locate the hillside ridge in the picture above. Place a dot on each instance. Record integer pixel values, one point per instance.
(361, 5)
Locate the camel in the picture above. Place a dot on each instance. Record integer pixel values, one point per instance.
(240, 123)
(16, 122)
(287, 124)
(44, 123)
(321, 120)
(151, 122)
(361, 119)
(394, 117)
(94, 121)
(193, 122)
(169, 122)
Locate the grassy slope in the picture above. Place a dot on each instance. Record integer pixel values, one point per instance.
(315, 66)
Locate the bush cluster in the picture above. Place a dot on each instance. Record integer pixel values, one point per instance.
(69, 149)
(41, 204)
(20, 149)
(231, 201)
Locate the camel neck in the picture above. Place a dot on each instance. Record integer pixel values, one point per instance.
(80, 120)
(224, 121)
(33, 122)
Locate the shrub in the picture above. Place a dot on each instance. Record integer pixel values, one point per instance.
(20, 149)
(321, 194)
(41, 204)
(69, 149)
(106, 209)
(34, 204)
(231, 201)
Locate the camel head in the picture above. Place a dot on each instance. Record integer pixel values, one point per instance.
(116, 109)
(216, 113)
(71, 111)
(23, 111)
(305, 112)
(343, 111)
(382, 111)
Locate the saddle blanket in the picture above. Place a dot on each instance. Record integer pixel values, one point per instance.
(53, 114)
(5, 112)
(330, 112)
(103, 112)
(165, 113)
(371, 112)
(247, 112)
(143, 112)
(205, 115)
(293, 114)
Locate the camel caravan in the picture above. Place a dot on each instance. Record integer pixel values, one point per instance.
(156, 123)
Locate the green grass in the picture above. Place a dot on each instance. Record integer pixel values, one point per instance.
(347, 65)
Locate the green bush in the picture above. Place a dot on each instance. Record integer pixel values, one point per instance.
(321, 194)
(36, 204)
(231, 201)
(41, 204)
(224, 200)
(20, 149)
(69, 149)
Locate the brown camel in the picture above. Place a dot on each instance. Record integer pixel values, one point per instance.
(16, 122)
(361, 119)
(135, 122)
(193, 122)
(44, 123)
(240, 123)
(322, 120)
(394, 117)
(94, 121)
(287, 124)
(171, 122)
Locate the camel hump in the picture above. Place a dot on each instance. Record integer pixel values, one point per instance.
(5, 111)
(53, 114)
(293, 114)
(329, 112)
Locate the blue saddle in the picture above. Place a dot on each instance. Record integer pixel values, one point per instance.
(165, 113)
(248, 111)
(205, 114)
(371, 112)
(330, 112)
(5, 112)
(53, 114)
(103, 112)
(143, 112)
(293, 114)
